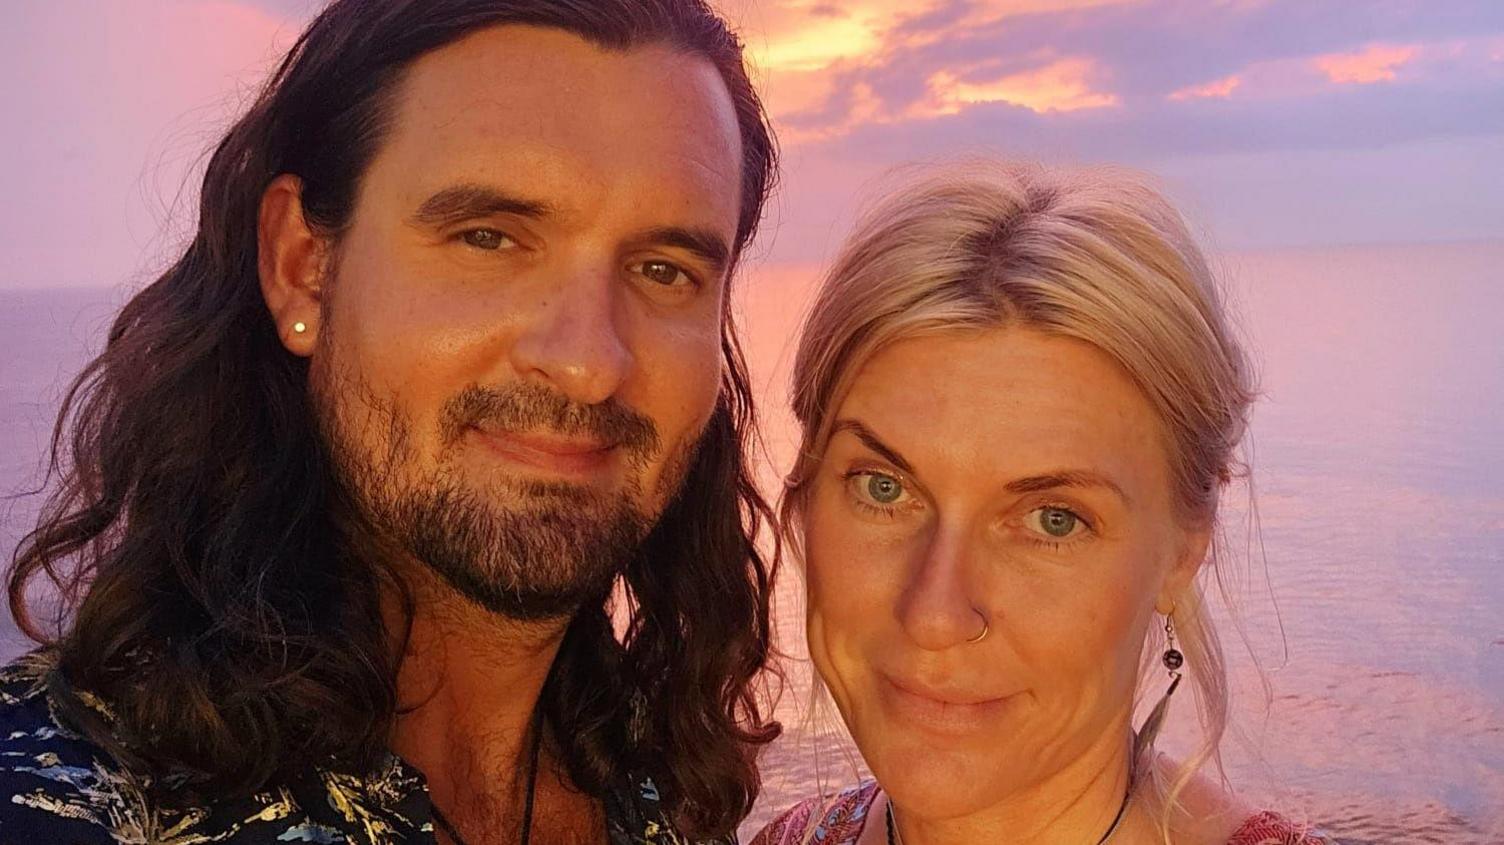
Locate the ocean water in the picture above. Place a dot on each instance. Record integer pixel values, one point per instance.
(1371, 594)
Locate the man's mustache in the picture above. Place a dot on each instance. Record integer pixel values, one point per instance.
(529, 406)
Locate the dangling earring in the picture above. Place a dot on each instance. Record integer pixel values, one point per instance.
(1173, 660)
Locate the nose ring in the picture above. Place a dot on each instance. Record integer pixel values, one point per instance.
(986, 629)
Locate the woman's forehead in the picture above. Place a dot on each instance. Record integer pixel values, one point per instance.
(1007, 400)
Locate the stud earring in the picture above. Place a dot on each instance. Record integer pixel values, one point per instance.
(299, 327)
(1172, 660)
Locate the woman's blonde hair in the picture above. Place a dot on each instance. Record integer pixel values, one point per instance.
(1090, 254)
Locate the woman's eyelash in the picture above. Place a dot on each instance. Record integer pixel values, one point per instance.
(1055, 543)
(876, 508)
(850, 478)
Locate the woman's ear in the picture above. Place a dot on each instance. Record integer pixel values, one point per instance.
(290, 260)
(1192, 555)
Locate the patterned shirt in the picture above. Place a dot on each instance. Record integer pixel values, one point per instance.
(840, 820)
(58, 787)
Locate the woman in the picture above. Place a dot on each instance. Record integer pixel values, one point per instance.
(1020, 400)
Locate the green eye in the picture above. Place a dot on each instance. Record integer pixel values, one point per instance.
(1057, 522)
(884, 489)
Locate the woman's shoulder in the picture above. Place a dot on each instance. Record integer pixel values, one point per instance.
(1210, 813)
(1271, 828)
(828, 820)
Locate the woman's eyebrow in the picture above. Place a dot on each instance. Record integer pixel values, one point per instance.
(873, 442)
(1030, 484)
(1067, 478)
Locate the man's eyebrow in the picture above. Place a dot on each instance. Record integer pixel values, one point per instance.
(705, 244)
(461, 202)
(873, 442)
(1067, 478)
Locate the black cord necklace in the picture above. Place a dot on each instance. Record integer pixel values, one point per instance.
(895, 838)
(527, 800)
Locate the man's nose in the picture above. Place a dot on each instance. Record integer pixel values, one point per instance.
(936, 608)
(573, 339)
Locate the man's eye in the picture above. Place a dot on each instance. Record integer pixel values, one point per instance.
(663, 273)
(490, 239)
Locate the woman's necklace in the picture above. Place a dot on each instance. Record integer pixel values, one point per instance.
(527, 800)
(896, 838)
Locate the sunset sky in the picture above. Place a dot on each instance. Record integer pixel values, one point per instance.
(1273, 122)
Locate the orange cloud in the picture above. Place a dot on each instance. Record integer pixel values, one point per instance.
(1061, 86)
(990, 12)
(796, 44)
(1377, 63)
(1219, 89)
(809, 35)
(813, 34)
(820, 44)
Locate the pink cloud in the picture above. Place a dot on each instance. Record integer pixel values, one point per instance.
(1315, 75)
(1219, 89)
(1376, 63)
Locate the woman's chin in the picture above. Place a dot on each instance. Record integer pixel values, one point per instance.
(940, 783)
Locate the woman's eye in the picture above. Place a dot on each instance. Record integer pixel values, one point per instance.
(878, 488)
(1056, 523)
(489, 239)
(663, 273)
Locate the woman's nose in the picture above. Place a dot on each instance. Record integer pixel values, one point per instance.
(936, 609)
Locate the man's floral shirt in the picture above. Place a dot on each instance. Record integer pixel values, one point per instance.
(58, 788)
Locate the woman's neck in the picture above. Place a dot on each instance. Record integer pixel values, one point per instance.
(1076, 805)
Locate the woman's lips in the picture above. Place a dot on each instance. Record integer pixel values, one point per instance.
(551, 454)
(950, 712)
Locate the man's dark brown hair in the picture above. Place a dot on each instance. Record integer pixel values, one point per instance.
(209, 593)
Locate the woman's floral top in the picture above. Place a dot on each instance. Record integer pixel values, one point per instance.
(57, 787)
(840, 820)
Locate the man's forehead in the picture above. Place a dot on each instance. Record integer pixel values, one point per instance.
(546, 107)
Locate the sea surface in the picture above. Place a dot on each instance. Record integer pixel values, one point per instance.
(1366, 556)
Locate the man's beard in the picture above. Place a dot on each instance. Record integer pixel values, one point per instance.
(524, 548)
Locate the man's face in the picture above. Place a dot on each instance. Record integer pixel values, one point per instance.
(521, 342)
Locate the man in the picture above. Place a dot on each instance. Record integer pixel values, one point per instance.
(410, 502)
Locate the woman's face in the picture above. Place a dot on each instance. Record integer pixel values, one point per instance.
(1009, 476)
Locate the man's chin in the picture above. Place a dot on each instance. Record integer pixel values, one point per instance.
(537, 564)
(524, 604)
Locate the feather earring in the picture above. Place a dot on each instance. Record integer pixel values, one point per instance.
(1173, 660)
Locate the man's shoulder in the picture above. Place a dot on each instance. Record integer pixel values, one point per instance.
(54, 783)
(56, 786)
(31, 733)
(634, 816)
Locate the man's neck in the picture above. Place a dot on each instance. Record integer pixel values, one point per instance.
(467, 690)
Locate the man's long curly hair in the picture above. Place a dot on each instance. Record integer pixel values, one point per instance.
(207, 591)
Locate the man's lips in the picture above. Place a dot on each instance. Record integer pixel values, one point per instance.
(942, 710)
(548, 452)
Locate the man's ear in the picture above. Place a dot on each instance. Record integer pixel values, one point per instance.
(290, 259)
(1193, 550)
